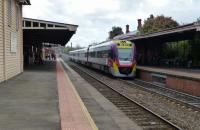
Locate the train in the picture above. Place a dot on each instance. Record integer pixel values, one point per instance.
(117, 57)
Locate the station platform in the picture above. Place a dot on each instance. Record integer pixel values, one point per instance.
(42, 98)
(185, 73)
(54, 97)
(184, 80)
(29, 101)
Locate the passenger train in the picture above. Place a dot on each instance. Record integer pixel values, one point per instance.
(116, 57)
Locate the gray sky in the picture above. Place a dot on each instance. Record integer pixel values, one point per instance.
(96, 17)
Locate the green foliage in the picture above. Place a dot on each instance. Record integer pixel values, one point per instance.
(68, 48)
(177, 49)
(184, 50)
(115, 31)
(153, 24)
(198, 20)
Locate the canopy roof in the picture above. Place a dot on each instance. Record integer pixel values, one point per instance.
(41, 31)
(183, 32)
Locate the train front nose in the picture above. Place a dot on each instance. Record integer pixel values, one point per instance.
(125, 70)
(125, 67)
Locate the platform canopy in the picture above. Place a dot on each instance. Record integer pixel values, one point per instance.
(184, 32)
(39, 31)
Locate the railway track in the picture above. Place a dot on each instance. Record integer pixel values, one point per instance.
(135, 110)
(190, 100)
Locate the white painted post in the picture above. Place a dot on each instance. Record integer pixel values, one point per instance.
(198, 28)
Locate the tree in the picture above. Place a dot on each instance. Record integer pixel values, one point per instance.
(78, 46)
(198, 20)
(153, 24)
(69, 48)
(115, 31)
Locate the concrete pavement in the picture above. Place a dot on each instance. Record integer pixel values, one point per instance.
(30, 101)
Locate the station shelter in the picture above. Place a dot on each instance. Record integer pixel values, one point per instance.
(179, 72)
(152, 49)
(40, 37)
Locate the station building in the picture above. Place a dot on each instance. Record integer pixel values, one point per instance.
(22, 38)
(11, 38)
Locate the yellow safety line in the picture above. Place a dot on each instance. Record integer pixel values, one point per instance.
(84, 109)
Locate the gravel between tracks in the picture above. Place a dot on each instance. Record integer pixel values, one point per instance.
(183, 116)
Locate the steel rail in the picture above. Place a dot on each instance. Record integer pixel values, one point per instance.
(195, 105)
(142, 106)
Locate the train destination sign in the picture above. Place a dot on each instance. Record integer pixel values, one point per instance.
(124, 44)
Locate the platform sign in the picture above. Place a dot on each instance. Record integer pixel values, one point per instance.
(13, 42)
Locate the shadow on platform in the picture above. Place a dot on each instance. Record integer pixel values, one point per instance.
(47, 65)
(29, 101)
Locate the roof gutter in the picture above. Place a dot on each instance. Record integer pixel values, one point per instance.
(24, 2)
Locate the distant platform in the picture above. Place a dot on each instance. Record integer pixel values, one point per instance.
(184, 80)
(185, 73)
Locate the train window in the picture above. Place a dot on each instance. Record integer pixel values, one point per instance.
(98, 54)
(84, 54)
(125, 54)
(104, 54)
(101, 54)
(93, 54)
(109, 54)
(89, 54)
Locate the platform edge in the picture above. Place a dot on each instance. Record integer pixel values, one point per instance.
(83, 107)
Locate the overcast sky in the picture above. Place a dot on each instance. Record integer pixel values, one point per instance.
(96, 17)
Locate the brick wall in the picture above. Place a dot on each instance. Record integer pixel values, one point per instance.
(185, 85)
(144, 75)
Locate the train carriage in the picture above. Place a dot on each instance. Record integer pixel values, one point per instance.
(115, 57)
(98, 56)
(79, 55)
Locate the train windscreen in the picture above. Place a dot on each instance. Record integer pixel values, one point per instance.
(125, 54)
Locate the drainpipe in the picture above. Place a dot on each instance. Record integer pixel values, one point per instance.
(4, 40)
